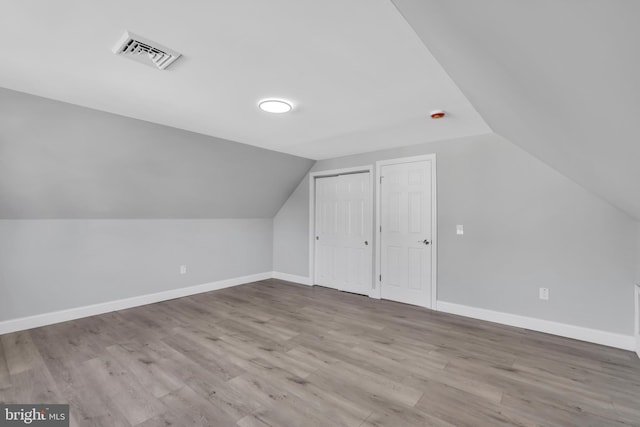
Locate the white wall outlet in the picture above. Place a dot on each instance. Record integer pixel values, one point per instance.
(183, 269)
(544, 293)
(459, 229)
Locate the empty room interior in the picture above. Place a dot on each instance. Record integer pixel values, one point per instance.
(355, 213)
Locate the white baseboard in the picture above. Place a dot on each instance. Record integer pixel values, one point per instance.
(626, 342)
(292, 278)
(636, 325)
(611, 339)
(29, 322)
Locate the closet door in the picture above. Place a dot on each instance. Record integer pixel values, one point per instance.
(343, 245)
(327, 239)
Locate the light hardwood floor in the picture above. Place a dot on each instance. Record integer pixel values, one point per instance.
(279, 354)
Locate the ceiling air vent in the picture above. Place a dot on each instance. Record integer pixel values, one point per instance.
(146, 51)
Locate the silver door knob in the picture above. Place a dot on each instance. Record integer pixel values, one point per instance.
(425, 241)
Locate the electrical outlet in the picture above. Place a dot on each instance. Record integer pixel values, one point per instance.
(544, 293)
(183, 269)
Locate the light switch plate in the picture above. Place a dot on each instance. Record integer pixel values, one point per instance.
(460, 229)
(544, 294)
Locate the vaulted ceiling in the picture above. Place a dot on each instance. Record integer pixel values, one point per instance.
(557, 77)
(358, 75)
(63, 161)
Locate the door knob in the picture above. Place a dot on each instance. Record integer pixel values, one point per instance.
(425, 241)
(366, 242)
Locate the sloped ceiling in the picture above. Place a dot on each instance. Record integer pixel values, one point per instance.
(59, 160)
(560, 78)
(557, 77)
(359, 77)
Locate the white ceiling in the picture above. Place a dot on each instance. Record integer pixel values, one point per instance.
(360, 78)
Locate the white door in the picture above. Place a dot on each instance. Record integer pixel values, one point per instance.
(405, 235)
(343, 244)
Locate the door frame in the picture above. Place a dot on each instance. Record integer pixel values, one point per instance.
(637, 318)
(312, 213)
(434, 224)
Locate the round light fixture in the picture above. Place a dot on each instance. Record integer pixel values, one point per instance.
(276, 106)
(437, 114)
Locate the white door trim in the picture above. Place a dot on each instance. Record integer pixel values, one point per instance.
(312, 210)
(637, 319)
(434, 221)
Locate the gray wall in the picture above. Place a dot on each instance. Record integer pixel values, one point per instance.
(526, 226)
(49, 265)
(637, 253)
(59, 160)
(290, 233)
(96, 207)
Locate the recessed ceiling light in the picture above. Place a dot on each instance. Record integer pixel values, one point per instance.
(275, 106)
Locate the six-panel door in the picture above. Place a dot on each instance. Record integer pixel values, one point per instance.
(343, 246)
(406, 234)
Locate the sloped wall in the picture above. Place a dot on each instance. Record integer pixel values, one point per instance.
(59, 160)
(96, 207)
(526, 226)
(557, 78)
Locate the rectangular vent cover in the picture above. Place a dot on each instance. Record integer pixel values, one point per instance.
(145, 51)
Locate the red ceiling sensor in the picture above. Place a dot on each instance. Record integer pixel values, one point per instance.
(437, 114)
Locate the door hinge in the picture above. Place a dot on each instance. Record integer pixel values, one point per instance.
(380, 277)
(381, 179)
(381, 229)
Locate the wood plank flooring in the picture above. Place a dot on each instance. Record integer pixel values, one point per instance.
(278, 354)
